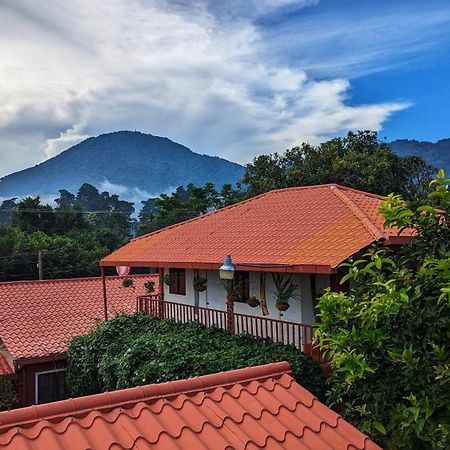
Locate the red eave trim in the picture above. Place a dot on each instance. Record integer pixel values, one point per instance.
(399, 240)
(253, 267)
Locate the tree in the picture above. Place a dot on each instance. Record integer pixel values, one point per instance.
(8, 397)
(359, 161)
(6, 209)
(388, 338)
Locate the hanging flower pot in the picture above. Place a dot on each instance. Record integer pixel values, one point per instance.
(282, 306)
(127, 282)
(253, 302)
(150, 287)
(200, 284)
(167, 280)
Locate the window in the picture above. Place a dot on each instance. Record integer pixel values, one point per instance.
(50, 386)
(242, 285)
(177, 281)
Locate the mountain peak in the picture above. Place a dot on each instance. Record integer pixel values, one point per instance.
(128, 159)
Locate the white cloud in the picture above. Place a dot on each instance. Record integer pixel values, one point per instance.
(66, 139)
(80, 68)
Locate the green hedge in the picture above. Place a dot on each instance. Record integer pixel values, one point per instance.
(136, 350)
(8, 397)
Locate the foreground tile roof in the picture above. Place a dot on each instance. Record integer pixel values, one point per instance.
(38, 318)
(310, 229)
(252, 408)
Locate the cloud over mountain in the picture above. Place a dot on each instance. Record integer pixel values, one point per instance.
(202, 74)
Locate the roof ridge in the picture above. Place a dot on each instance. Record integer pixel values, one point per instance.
(109, 400)
(358, 212)
(62, 280)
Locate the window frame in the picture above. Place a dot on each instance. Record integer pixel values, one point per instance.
(36, 384)
(177, 284)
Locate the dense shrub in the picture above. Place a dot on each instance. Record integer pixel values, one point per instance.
(388, 339)
(8, 398)
(135, 350)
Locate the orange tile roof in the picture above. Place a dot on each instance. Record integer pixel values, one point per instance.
(38, 318)
(5, 368)
(251, 408)
(310, 229)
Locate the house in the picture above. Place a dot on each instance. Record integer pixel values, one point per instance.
(39, 318)
(250, 408)
(302, 232)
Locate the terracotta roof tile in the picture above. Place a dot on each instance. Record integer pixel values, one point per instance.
(38, 318)
(252, 408)
(302, 227)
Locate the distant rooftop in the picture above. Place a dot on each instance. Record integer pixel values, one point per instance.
(308, 229)
(38, 318)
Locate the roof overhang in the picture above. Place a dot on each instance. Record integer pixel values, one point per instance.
(253, 267)
(25, 361)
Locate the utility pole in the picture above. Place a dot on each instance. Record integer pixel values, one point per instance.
(40, 266)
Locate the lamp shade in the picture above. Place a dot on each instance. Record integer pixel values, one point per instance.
(227, 269)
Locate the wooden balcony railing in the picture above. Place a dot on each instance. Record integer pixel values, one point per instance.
(293, 333)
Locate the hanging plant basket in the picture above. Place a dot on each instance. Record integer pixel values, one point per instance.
(253, 302)
(127, 282)
(167, 280)
(282, 306)
(200, 288)
(150, 287)
(200, 284)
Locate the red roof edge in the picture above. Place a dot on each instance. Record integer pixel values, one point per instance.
(108, 400)
(363, 218)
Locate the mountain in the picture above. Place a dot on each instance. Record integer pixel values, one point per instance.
(129, 160)
(436, 153)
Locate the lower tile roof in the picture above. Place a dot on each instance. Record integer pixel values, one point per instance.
(38, 318)
(251, 408)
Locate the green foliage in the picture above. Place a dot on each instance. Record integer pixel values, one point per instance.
(388, 339)
(8, 397)
(136, 350)
(359, 161)
(73, 237)
(184, 204)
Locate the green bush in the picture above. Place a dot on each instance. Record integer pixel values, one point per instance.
(135, 350)
(388, 339)
(8, 397)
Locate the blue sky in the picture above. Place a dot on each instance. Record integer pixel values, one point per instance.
(233, 78)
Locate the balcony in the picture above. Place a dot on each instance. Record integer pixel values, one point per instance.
(289, 333)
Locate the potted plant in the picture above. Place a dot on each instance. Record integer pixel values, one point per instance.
(127, 282)
(233, 288)
(150, 287)
(253, 302)
(167, 280)
(285, 289)
(200, 284)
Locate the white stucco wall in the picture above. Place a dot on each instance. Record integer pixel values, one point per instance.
(215, 295)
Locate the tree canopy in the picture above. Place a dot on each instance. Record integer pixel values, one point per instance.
(388, 338)
(359, 161)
